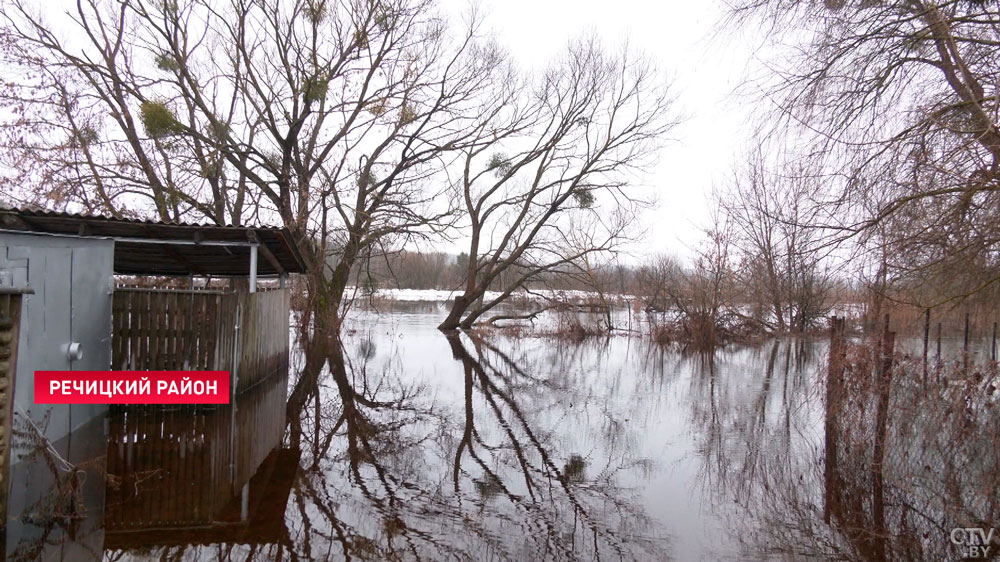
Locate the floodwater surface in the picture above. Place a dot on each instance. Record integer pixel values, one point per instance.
(413, 445)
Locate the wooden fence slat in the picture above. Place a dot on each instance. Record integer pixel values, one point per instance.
(182, 461)
(166, 477)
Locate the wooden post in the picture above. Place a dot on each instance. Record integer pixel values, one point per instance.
(927, 333)
(938, 356)
(881, 430)
(993, 348)
(965, 344)
(881, 338)
(835, 372)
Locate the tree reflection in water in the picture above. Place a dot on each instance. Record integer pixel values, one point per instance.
(893, 469)
(396, 475)
(467, 448)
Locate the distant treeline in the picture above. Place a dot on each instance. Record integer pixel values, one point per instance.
(441, 270)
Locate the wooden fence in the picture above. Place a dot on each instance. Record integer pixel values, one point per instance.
(179, 466)
(245, 333)
(10, 321)
(173, 467)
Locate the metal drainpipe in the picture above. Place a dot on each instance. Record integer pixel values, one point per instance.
(245, 502)
(233, 378)
(232, 398)
(253, 268)
(245, 494)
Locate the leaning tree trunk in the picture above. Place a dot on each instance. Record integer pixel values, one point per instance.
(454, 319)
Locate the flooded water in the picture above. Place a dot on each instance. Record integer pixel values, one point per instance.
(417, 446)
(605, 449)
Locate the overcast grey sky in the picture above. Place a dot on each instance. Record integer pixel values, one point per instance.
(705, 68)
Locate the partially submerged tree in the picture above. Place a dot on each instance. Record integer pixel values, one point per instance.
(654, 279)
(705, 296)
(779, 244)
(337, 120)
(545, 183)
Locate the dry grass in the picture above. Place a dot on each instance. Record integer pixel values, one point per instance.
(908, 320)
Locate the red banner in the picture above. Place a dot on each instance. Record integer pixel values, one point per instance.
(131, 387)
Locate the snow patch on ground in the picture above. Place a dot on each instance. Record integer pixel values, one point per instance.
(444, 295)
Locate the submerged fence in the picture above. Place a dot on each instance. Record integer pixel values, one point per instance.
(904, 460)
(182, 466)
(244, 333)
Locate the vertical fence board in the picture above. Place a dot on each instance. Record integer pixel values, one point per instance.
(174, 330)
(181, 466)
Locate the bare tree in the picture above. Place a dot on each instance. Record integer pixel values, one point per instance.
(896, 104)
(780, 244)
(693, 304)
(705, 297)
(654, 279)
(545, 183)
(330, 117)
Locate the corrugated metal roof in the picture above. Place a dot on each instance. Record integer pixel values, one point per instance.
(145, 247)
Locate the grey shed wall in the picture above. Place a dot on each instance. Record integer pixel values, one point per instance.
(72, 282)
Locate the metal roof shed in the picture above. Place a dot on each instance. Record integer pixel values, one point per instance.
(185, 248)
(78, 320)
